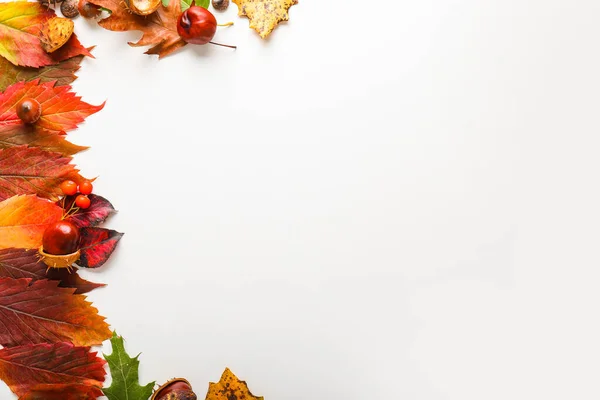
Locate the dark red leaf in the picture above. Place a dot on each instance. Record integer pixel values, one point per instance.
(97, 245)
(100, 209)
(37, 369)
(21, 263)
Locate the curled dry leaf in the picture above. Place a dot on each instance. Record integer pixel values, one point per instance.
(21, 263)
(23, 220)
(62, 110)
(52, 372)
(97, 245)
(159, 29)
(42, 312)
(63, 73)
(264, 15)
(20, 30)
(30, 170)
(229, 387)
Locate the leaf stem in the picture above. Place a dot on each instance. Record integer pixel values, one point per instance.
(224, 45)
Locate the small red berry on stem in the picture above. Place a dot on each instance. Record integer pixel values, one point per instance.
(86, 187)
(82, 201)
(69, 188)
(61, 238)
(29, 110)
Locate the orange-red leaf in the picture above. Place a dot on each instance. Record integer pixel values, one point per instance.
(29, 170)
(21, 263)
(23, 220)
(62, 110)
(32, 135)
(42, 312)
(20, 26)
(159, 29)
(44, 371)
(63, 73)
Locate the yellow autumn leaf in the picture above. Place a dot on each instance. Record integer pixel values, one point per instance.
(23, 220)
(230, 387)
(264, 15)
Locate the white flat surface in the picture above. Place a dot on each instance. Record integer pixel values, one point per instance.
(392, 201)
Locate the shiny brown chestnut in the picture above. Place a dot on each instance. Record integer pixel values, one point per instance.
(175, 389)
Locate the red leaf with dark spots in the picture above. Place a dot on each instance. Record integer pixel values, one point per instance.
(43, 371)
(22, 263)
(100, 209)
(42, 312)
(97, 245)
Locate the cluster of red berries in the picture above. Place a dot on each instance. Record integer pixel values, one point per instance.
(70, 188)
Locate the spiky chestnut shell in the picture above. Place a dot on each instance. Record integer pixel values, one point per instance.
(29, 110)
(175, 389)
(197, 25)
(143, 7)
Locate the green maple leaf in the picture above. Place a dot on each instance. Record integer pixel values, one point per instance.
(124, 371)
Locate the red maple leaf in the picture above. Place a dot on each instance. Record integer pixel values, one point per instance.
(44, 371)
(22, 263)
(42, 312)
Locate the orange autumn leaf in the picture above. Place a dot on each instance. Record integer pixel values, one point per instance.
(229, 387)
(29, 170)
(57, 371)
(21, 24)
(23, 220)
(62, 110)
(159, 29)
(43, 312)
(32, 135)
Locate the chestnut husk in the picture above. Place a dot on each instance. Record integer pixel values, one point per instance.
(143, 7)
(58, 261)
(165, 392)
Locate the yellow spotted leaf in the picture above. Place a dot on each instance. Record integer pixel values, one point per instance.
(229, 388)
(264, 15)
(23, 220)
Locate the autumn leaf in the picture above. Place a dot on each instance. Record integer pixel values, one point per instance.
(20, 26)
(124, 371)
(62, 110)
(29, 170)
(97, 245)
(228, 388)
(42, 312)
(44, 371)
(264, 15)
(63, 73)
(99, 210)
(21, 263)
(32, 135)
(23, 220)
(159, 29)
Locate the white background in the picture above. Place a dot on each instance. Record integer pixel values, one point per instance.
(382, 201)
